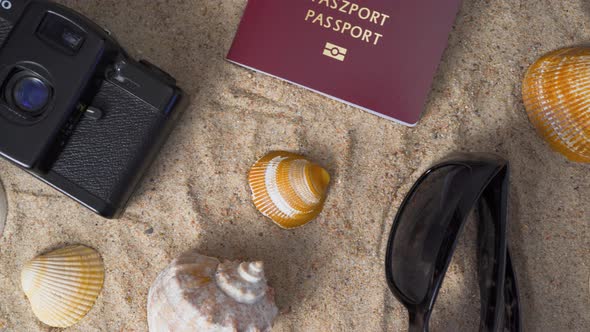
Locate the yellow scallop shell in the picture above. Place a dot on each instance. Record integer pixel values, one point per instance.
(288, 188)
(62, 286)
(556, 94)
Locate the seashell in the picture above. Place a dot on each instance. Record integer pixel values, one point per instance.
(62, 286)
(288, 188)
(556, 94)
(199, 293)
(3, 209)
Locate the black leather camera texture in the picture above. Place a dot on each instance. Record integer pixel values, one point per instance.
(104, 156)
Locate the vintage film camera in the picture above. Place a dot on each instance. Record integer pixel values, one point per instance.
(75, 110)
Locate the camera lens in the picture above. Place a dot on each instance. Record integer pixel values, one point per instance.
(31, 94)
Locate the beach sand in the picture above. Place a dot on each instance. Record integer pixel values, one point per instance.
(328, 275)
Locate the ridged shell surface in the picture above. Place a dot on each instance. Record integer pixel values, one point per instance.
(198, 293)
(556, 94)
(62, 286)
(3, 209)
(288, 188)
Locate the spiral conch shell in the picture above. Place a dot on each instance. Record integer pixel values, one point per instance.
(3, 209)
(198, 293)
(62, 286)
(288, 188)
(556, 94)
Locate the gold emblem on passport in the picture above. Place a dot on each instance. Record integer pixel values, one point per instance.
(335, 51)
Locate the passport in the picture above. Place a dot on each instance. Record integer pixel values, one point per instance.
(378, 55)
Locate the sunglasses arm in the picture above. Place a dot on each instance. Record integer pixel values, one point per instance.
(492, 251)
(419, 322)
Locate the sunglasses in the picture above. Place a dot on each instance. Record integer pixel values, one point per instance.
(425, 233)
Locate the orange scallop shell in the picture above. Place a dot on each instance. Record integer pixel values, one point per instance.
(556, 94)
(288, 188)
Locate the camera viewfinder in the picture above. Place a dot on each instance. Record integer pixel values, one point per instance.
(62, 33)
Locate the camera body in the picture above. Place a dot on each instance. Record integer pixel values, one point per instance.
(75, 110)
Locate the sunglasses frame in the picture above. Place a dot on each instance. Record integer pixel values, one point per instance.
(486, 187)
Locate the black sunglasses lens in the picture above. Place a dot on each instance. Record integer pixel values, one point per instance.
(422, 226)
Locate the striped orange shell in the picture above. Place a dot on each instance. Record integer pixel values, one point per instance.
(288, 188)
(556, 94)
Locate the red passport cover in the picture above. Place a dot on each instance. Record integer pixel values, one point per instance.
(378, 55)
